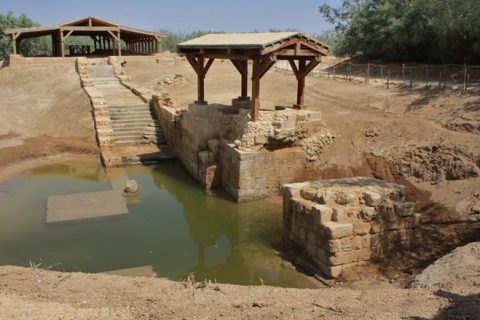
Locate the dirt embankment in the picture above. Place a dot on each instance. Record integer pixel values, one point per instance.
(37, 294)
(45, 112)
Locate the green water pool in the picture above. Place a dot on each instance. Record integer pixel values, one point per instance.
(173, 227)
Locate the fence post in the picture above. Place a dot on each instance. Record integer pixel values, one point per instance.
(403, 72)
(440, 79)
(334, 71)
(411, 79)
(388, 77)
(350, 70)
(367, 73)
(426, 76)
(464, 78)
(381, 73)
(445, 78)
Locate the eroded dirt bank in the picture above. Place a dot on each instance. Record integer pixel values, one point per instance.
(44, 112)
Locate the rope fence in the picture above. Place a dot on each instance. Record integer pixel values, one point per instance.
(453, 76)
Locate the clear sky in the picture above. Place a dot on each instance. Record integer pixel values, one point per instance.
(181, 15)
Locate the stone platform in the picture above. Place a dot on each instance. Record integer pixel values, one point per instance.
(85, 206)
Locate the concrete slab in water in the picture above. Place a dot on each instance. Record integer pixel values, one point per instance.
(82, 206)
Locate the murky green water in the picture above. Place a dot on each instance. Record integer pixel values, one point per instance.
(174, 227)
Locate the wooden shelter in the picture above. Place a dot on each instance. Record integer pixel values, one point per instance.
(106, 35)
(264, 49)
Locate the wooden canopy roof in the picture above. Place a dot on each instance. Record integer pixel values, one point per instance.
(89, 26)
(264, 49)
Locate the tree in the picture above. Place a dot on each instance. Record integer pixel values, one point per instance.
(421, 30)
(29, 47)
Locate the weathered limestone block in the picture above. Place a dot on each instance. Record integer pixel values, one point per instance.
(308, 193)
(343, 222)
(321, 214)
(372, 199)
(339, 215)
(337, 230)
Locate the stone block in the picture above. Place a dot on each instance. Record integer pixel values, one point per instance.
(324, 196)
(330, 271)
(321, 213)
(338, 230)
(339, 215)
(308, 193)
(341, 258)
(345, 244)
(361, 228)
(372, 199)
(397, 236)
(368, 213)
(405, 209)
(345, 197)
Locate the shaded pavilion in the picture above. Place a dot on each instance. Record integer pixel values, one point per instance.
(107, 37)
(264, 49)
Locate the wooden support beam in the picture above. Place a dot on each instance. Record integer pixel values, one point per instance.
(14, 44)
(260, 67)
(242, 67)
(198, 65)
(62, 45)
(119, 44)
(69, 33)
(300, 73)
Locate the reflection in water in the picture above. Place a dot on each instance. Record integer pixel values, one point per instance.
(174, 226)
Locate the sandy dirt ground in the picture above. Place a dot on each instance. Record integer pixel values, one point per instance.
(38, 294)
(429, 141)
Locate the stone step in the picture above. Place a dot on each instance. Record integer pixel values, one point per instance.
(130, 112)
(141, 129)
(155, 158)
(133, 134)
(134, 124)
(146, 118)
(129, 108)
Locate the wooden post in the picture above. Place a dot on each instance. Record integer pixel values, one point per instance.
(388, 77)
(62, 47)
(301, 83)
(14, 44)
(300, 73)
(255, 112)
(367, 73)
(403, 72)
(198, 64)
(426, 76)
(119, 44)
(465, 78)
(349, 70)
(242, 67)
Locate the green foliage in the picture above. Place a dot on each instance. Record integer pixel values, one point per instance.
(417, 30)
(331, 38)
(171, 39)
(29, 47)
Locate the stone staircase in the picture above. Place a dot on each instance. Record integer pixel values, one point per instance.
(102, 75)
(127, 129)
(135, 124)
(132, 121)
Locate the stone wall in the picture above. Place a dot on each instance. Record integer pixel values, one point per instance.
(220, 146)
(339, 223)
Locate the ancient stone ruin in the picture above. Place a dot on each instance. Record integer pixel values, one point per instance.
(220, 146)
(339, 223)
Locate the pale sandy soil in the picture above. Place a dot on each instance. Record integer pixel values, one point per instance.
(37, 294)
(44, 112)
